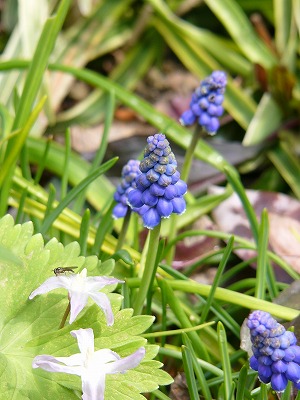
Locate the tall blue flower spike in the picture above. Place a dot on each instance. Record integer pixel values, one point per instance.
(206, 103)
(276, 355)
(129, 172)
(160, 190)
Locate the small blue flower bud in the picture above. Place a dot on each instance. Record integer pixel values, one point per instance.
(151, 218)
(135, 198)
(179, 205)
(164, 207)
(279, 382)
(149, 199)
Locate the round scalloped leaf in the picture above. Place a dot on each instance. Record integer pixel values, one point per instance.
(29, 328)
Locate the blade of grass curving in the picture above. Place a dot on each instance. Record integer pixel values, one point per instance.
(225, 361)
(160, 395)
(84, 232)
(101, 149)
(184, 321)
(266, 120)
(50, 201)
(231, 15)
(242, 383)
(172, 351)
(235, 181)
(189, 373)
(282, 23)
(217, 278)
(74, 192)
(18, 141)
(105, 226)
(41, 166)
(202, 381)
(287, 164)
(220, 48)
(66, 165)
(20, 214)
(262, 259)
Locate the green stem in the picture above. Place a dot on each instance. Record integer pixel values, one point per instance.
(124, 230)
(189, 154)
(149, 270)
(65, 316)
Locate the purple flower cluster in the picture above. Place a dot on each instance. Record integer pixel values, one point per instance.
(129, 172)
(276, 356)
(206, 103)
(159, 189)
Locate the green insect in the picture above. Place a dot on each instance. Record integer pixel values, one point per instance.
(62, 270)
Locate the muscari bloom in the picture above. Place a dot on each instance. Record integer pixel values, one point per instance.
(129, 173)
(159, 189)
(92, 366)
(80, 288)
(206, 104)
(276, 355)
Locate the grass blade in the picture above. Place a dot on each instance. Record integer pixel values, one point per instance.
(74, 192)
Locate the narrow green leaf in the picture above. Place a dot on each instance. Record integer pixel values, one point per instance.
(183, 319)
(225, 360)
(18, 142)
(282, 23)
(217, 278)
(84, 231)
(287, 164)
(74, 192)
(189, 373)
(266, 120)
(241, 383)
(262, 260)
(202, 381)
(238, 26)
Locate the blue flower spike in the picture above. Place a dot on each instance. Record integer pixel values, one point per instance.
(276, 355)
(129, 173)
(159, 189)
(206, 104)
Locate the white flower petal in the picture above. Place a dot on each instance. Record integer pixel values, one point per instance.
(78, 301)
(104, 356)
(103, 302)
(52, 364)
(123, 364)
(96, 283)
(85, 340)
(54, 282)
(93, 385)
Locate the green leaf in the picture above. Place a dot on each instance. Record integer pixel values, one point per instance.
(265, 121)
(238, 26)
(29, 328)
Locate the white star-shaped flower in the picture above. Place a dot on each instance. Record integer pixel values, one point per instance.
(80, 288)
(92, 366)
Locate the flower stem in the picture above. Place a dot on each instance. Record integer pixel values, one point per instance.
(185, 171)
(149, 270)
(65, 316)
(124, 229)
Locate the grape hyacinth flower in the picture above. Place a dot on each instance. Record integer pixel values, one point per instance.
(80, 288)
(92, 366)
(206, 103)
(276, 355)
(159, 189)
(130, 172)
